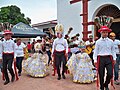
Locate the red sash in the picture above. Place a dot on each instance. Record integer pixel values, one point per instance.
(98, 63)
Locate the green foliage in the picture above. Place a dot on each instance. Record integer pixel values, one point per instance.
(13, 15)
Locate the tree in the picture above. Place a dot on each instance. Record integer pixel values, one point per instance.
(13, 15)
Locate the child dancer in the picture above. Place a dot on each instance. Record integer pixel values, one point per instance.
(80, 66)
(36, 65)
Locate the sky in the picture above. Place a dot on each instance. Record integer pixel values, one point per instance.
(37, 10)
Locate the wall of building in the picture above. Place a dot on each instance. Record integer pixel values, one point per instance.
(69, 15)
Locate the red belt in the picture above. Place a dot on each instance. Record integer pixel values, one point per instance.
(8, 53)
(59, 51)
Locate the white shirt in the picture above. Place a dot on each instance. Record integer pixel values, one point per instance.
(74, 50)
(60, 44)
(76, 42)
(116, 43)
(8, 46)
(88, 42)
(104, 47)
(20, 49)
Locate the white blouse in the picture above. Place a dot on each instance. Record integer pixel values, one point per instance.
(20, 49)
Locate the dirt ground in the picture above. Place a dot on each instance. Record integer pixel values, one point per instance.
(50, 82)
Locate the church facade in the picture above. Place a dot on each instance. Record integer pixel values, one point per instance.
(69, 15)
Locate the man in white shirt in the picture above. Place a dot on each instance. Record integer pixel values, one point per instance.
(104, 57)
(60, 51)
(8, 55)
(117, 50)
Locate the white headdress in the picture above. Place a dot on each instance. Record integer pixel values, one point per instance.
(38, 38)
(59, 29)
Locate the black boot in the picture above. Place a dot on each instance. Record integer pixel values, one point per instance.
(13, 78)
(106, 88)
(19, 74)
(59, 77)
(63, 76)
(6, 82)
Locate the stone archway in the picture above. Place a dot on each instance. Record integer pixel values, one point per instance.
(112, 11)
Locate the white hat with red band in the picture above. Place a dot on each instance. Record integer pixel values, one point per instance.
(7, 32)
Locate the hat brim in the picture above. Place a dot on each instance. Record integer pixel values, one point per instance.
(7, 33)
(100, 30)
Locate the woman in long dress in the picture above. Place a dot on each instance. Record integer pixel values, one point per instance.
(36, 65)
(80, 66)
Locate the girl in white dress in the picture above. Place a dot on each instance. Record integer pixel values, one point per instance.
(80, 66)
(36, 65)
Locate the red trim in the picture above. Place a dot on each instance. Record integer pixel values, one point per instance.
(54, 68)
(7, 32)
(69, 50)
(8, 53)
(74, 1)
(59, 51)
(111, 58)
(98, 63)
(16, 75)
(3, 78)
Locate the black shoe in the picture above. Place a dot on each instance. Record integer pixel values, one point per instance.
(19, 74)
(106, 88)
(6, 82)
(59, 77)
(63, 76)
(101, 88)
(13, 78)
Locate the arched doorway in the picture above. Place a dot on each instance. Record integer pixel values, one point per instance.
(112, 11)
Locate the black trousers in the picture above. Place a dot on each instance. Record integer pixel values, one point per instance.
(7, 64)
(91, 56)
(19, 63)
(105, 62)
(60, 59)
(49, 56)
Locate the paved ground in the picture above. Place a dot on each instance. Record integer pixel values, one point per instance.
(48, 83)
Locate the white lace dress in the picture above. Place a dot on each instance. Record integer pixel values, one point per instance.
(36, 65)
(80, 66)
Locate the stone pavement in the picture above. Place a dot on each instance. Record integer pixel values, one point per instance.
(48, 83)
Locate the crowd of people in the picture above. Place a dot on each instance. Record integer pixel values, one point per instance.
(85, 61)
